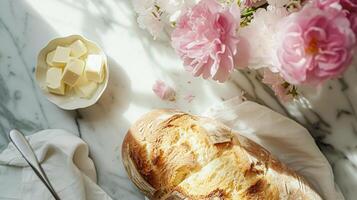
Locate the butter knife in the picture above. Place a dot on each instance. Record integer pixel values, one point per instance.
(23, 146)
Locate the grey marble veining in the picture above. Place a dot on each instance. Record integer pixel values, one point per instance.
(135, 62)
(22, 105)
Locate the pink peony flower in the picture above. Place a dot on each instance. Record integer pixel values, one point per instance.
(276, 82)
(350, 6)
(163, 91)
(316, 45)
(353, 20)
(205, 39)
(324, 3)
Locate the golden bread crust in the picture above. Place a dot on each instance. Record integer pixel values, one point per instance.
(169, 154)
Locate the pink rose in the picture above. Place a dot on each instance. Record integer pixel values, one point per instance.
(276, 83)
(351, 8)
(316, 45)
(324, 3)
(353, 20)
(205, 39)
(350, 5)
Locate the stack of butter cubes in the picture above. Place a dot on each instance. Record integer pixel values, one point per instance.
(71, 67)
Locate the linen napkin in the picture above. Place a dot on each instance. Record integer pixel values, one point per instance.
(283, 137)
(64, 158)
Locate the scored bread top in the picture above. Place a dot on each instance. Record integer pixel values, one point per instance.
(174, 155)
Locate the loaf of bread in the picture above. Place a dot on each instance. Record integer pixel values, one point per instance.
(169, 154)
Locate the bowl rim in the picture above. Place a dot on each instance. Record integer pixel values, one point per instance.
(70, 106)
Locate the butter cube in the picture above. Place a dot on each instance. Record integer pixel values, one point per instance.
(86, 90)
(49, 58)
(78, 49)
(73, 71)
(82, 80)
(61, 56)
(94, 68)
(54, 82)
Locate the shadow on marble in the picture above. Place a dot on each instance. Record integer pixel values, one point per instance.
(113, 103)
(103, 126)
(177, 77)
(23, 33)
(118, 94)
(102, 16)
(146, 39)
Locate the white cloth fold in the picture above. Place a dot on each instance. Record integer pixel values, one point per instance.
(64, 158)
(283, 137)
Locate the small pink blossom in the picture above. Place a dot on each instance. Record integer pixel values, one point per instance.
(205, 38)
(276, 82)
(248, 3)
(189, 98)
(316, 45)
(163, 91)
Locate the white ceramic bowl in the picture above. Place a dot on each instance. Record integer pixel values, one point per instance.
(70, 100)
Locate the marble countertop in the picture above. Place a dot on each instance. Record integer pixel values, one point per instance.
(135, 62)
